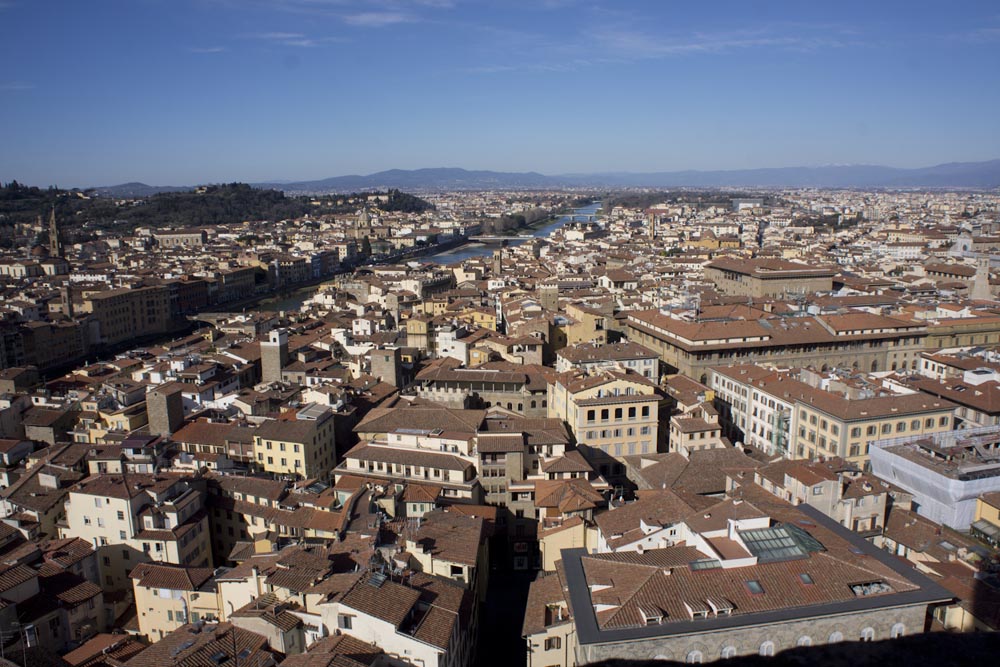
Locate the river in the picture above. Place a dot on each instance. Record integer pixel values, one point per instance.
(470, 250)
(294, 300)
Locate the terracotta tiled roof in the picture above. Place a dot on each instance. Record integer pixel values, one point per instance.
(450, 537)
(173, 577)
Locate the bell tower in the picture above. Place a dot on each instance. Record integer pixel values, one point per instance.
(55, 243)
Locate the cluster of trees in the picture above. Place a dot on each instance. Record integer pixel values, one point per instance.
(217, 204)
(403, 202)
(397, 202)
(700, 197)
(81, 214)
(833, 220)
(509, 223)
(22, 203)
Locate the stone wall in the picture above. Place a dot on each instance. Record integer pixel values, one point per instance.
(747, 640)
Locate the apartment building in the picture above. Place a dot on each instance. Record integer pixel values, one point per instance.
(611, 415)
(779, 414)
(124, 314)
(138, 518)
(696, 428)
(206, 644)
(760, 278)
(855, 500)
(420, 442)
(300, 443)
(625, 354)
(454, 546)
(860, 341)
(986, 520)
(183, 238)
(170, 596)
(34, 503)
(523, 389)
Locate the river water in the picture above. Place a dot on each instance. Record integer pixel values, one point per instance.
(294, 301)
(470, 250)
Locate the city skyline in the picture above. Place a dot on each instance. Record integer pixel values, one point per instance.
(212, 90)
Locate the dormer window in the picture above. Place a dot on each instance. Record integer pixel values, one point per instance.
(696, 609)
(653, 616)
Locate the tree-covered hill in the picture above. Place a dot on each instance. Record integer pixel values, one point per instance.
(78, 211)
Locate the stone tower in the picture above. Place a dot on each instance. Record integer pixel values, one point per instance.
(274, 355)
(55, 243)
(548, 296)
(387, 366)
(66, 300)
(165, 409)
(498, 263)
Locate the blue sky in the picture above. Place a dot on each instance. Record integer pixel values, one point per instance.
(190, 91)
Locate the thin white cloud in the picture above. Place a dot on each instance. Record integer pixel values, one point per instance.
(622, 41)
(531, 67)
(377, 19)
(981, 35)
(207, 49)
(637, 44)
(293, 39)
(276, 36)
(12, 86)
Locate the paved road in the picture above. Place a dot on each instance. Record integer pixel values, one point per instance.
(501, 618)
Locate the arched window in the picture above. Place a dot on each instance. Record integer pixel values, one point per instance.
(804, 640)
(868, 635)
(728, 652)
(898, 630)
(767, 649)
(694, 658)
(836, 637)
(545, 403)
(660, 656)
(534, 404)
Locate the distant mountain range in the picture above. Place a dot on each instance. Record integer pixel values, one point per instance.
(425, 179)
(950, 175)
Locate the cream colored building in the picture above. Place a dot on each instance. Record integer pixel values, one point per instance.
(548, 627)
(138, 518)
(775, 411)
(572, 533)
(300, 443)
(169, 596)
(612, 414)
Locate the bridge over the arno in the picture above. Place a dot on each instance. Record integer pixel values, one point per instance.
(499, 239)
(571, 217)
